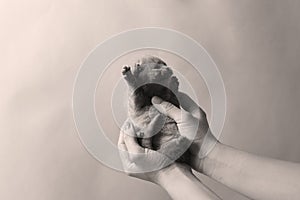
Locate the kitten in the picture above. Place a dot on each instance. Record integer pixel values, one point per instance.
(147, 78)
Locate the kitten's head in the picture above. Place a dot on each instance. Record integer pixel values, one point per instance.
(152, 69)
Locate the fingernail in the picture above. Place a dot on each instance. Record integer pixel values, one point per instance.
(156, 100)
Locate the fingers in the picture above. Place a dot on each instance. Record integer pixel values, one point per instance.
(154, 126)
(188, 104)
(136, 159)
(132, 145)
(121, 142)
(128, 129)
(127, 138)
(167, 108)
(175, 147)
(123, 151)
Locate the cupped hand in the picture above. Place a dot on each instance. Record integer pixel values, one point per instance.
(144, 163)
(192, 123)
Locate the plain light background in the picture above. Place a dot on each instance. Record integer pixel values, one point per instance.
(255, 43)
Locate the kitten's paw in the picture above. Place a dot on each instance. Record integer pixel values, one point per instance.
(125, 69)
(128, 76)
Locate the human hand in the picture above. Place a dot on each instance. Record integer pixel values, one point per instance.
(144, 163)
(192, 123)
(149, 165)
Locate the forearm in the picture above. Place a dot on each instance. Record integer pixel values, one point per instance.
(181, 184)
(254, 176)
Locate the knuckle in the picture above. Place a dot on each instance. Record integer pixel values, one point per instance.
(168, 107)
(126, 137)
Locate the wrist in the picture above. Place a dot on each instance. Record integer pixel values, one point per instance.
(201, 151)
(181, 183)
(208, 164)
(170, 174)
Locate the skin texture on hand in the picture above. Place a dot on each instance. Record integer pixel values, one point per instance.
(254, 176)
(137, 159)
(192, 124)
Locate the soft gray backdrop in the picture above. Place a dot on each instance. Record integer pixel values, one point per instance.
(255, 43)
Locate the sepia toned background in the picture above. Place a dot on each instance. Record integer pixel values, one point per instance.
(255, 43)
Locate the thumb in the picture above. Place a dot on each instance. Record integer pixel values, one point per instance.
(167, 108)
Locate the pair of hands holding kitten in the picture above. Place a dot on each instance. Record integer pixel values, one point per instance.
(194, 131)
(251, 175)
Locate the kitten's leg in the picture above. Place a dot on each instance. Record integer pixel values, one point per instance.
(128, 76)
(174, 84)
(136, 97)
(136, 100)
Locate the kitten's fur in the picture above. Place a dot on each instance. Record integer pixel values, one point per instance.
(152, 77)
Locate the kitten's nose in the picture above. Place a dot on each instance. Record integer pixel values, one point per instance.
(137, 64)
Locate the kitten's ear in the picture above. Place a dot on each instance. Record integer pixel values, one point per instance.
(174, 84)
